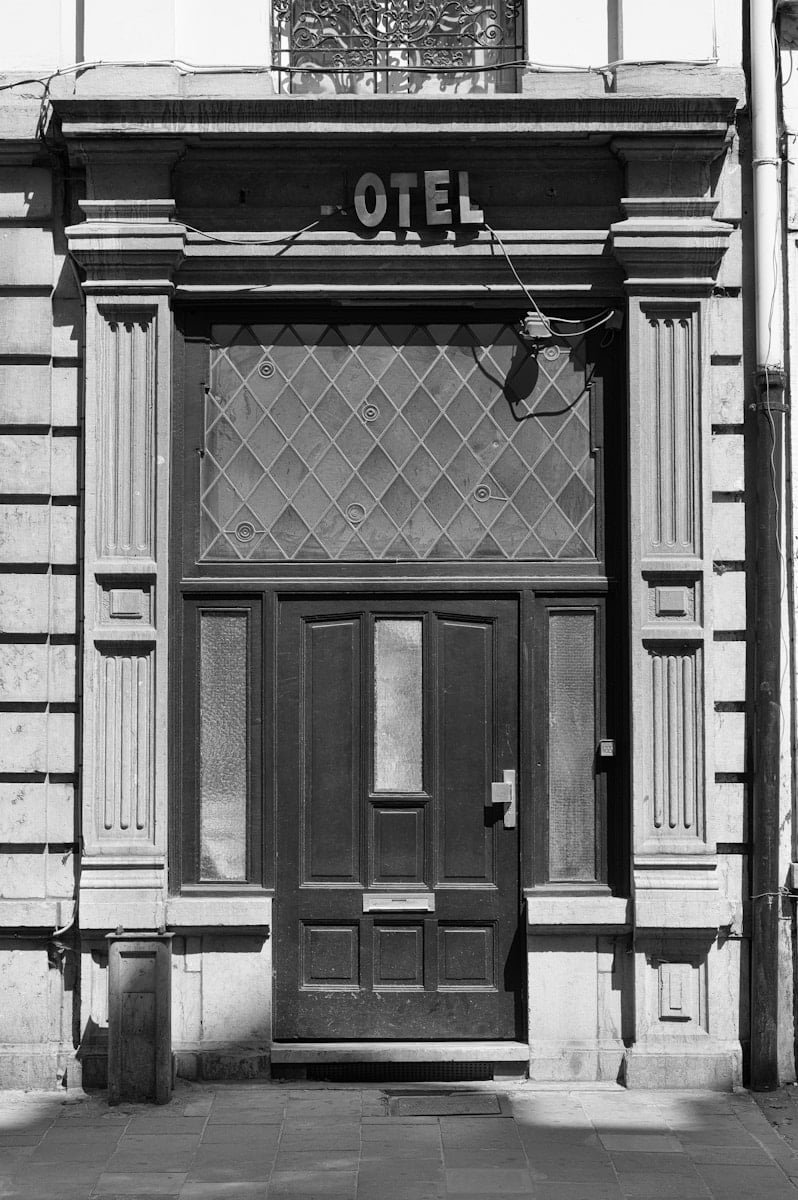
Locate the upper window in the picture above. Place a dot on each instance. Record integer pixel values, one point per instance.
(388, 46)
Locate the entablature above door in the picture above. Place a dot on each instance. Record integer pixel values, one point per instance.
(264, 191)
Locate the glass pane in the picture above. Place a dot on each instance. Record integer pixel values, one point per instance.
(223, 746)
(572, 747)
(397, 706)
(393, 441)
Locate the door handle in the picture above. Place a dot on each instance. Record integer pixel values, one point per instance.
(504, 793)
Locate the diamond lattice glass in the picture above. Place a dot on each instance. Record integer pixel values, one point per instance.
(395, 441)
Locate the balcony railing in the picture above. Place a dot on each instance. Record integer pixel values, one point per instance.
(374, 47)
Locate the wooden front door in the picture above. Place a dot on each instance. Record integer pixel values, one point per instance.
(397, 893)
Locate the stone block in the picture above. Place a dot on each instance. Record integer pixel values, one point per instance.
(235, 989)
(733, 883)
(730, 743)
(23, 673)
(726, 989)
(64, 383)
(61, 743)
(25, 604)
(25, 987)
(64, 535)
(562, 965)
(64, 466)
(37, 672)
(726, 326)
(24, 394)
(26, 257)
(728, 463)
(60, 813)
(22, 874)
(26, 193)
(37, 603)
(23, 812)
(63, 599)
(726, 385)
(62, 685)
(728, 669)
(24, 533)
(728, 532)
(37, 741)
(186, 989)
(60, 865)
(26, 325)
(728, 592)
(67, 325)
(730, 274)
(729, 812)
(25, 464)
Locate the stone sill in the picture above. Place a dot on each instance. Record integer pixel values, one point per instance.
(217, 912)
(575, 913)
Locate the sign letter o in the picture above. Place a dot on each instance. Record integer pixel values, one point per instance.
(370, 217)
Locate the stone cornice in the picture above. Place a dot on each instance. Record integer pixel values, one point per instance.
(504, 117)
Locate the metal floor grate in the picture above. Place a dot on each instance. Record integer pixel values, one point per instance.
(393, 1072)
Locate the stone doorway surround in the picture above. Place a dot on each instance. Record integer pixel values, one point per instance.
(642, 970)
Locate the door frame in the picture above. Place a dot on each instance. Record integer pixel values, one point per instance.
(599, 582)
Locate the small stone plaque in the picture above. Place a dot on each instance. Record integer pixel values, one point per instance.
(126, 604)
(671, 601)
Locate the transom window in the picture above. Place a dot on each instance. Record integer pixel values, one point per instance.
(397, 441)
(379, 46)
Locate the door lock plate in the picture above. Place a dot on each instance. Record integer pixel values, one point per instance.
(504, 793)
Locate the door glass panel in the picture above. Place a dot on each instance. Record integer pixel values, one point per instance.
(397, 706)
(223, 746)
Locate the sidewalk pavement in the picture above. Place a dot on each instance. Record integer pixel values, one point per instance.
(334, 1142)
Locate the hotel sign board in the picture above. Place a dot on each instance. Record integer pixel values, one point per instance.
(445, 198)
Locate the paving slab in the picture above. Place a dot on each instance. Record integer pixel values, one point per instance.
(340, 1141)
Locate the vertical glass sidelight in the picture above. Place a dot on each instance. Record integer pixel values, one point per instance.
(398, 705)
(572, 746)
(223, 721)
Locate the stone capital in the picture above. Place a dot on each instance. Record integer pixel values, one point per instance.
(669, 245)
(128, 246)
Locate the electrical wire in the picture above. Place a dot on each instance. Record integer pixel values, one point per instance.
(281, 241)
(600, 320)
(188, 68)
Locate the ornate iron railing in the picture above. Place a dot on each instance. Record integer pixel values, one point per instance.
(379, 46)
